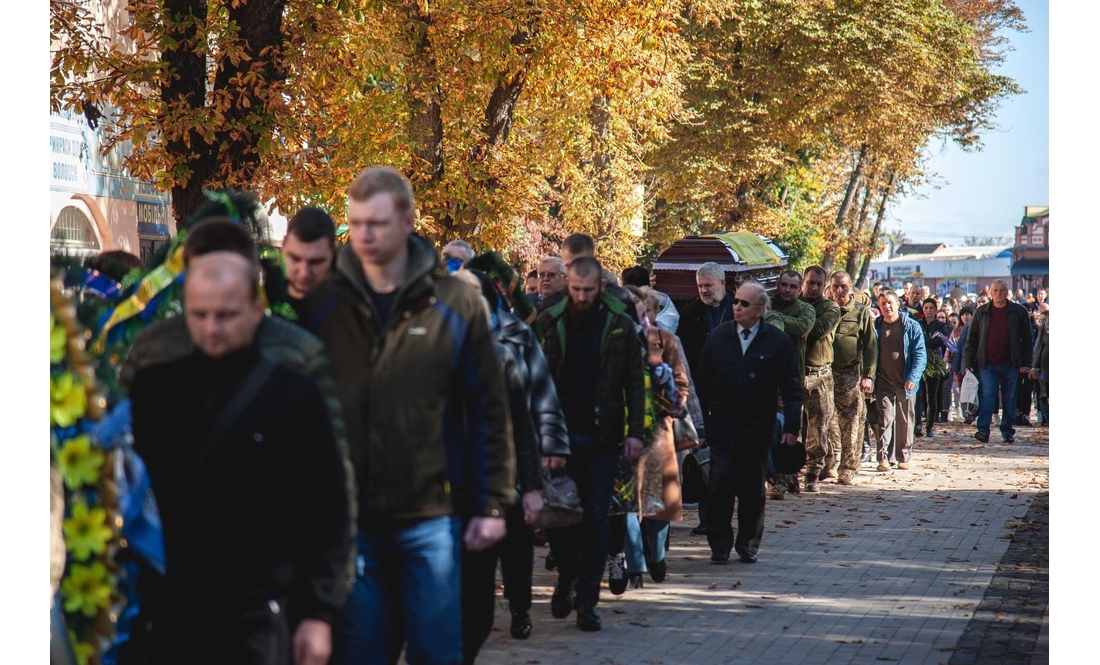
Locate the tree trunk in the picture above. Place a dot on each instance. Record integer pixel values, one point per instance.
(870, 249)
(186, 83)
(231, 157)
(600, 115)
(829, 258)
(856, 237)
(424, 95)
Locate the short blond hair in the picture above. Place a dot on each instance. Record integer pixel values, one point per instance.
(379, 179)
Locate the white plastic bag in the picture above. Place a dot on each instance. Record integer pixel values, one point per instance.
(969, 392)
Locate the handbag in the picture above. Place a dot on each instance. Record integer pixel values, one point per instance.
(684, 433)
(968, 393)
(696, 476)
(561, 503)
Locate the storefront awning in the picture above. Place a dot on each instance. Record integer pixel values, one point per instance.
(1031, 267)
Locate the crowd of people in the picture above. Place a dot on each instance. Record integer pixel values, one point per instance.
(346, 480)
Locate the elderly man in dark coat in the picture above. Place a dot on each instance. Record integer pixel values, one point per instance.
(745, 366)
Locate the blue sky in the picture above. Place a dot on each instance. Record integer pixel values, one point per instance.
(984, 193)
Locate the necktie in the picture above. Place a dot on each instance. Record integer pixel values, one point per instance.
(745, 333)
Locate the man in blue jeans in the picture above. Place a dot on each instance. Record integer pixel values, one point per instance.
(427, 424)
(595, 357)
(998, 350)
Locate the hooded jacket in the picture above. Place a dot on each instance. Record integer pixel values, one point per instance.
(915, 354)
(542, 394)
(620, 386)
(422, 392)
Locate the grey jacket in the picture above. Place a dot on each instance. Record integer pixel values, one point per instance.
(545, 406)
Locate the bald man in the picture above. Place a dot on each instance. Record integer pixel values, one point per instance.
(251, 489)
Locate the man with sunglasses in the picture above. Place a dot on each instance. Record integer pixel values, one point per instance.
(747, 364)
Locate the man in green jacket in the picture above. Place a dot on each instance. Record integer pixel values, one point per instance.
(819, 375)
(796, 318)
(428, 426)
(595, 357)
(855, 354)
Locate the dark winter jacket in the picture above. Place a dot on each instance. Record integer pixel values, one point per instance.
(265, 516)
(620, 382)
(277, 339)
(1042, 352)
(528, 459)
(694, 328)
(739, 391)
(423, 395)
(1019, 336)
(934, 343)
(542, 395)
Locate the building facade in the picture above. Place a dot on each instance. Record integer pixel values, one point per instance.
(945, 269)
(1031, 255)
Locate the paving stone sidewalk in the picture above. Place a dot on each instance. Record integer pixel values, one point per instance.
(893, 569)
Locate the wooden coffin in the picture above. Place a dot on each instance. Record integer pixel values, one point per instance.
(742, 254)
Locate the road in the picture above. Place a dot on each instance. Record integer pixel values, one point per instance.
(944, 563)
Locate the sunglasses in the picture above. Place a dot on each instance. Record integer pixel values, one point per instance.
(744, 303)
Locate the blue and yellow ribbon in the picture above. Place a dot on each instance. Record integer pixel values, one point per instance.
(156, 281)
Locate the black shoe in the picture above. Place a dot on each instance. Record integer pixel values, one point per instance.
(981, 436)
(636, 580)
(658, 570)
(616, 573)
(1023, 421)
(969, 420)
(719, 558)
(700, 530)
(748, 557)
(521, 625)
(918, 432)
(1009, 439)
(561, 603)
(587, 619)
(928, 433)
(550, 563)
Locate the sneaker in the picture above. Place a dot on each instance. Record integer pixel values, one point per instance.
(616, 574)
(561, 603)
(832, 473)
(658, 570)
(981, 436)
(587, 619)
(521, 625)
(845, 478)
(904, 466)
(811, 486)
(883, 466)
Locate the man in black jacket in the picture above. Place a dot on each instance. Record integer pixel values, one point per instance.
(713, 307)
(427, 421)
(250, 485)
(998, 349)
(595, 357)
(746, 365)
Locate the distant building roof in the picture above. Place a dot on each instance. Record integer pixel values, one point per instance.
(1034, 212)
(945, 253)
(915, 248)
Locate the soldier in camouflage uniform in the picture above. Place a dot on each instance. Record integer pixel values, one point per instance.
(819, 373)
(795, 318)
(855, 354)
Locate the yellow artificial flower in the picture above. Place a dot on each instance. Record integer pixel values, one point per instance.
(86, 532)
(87, 589)
(58, 340)
(78, 463)
(67, 400)
(648, 421)
(82, 650)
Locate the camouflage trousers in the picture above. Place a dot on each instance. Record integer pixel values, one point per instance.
(846, 426)
(819, 411)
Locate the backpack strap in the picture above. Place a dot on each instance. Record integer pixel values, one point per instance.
(244, 397)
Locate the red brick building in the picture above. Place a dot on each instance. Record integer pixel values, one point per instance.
(1031, 255)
